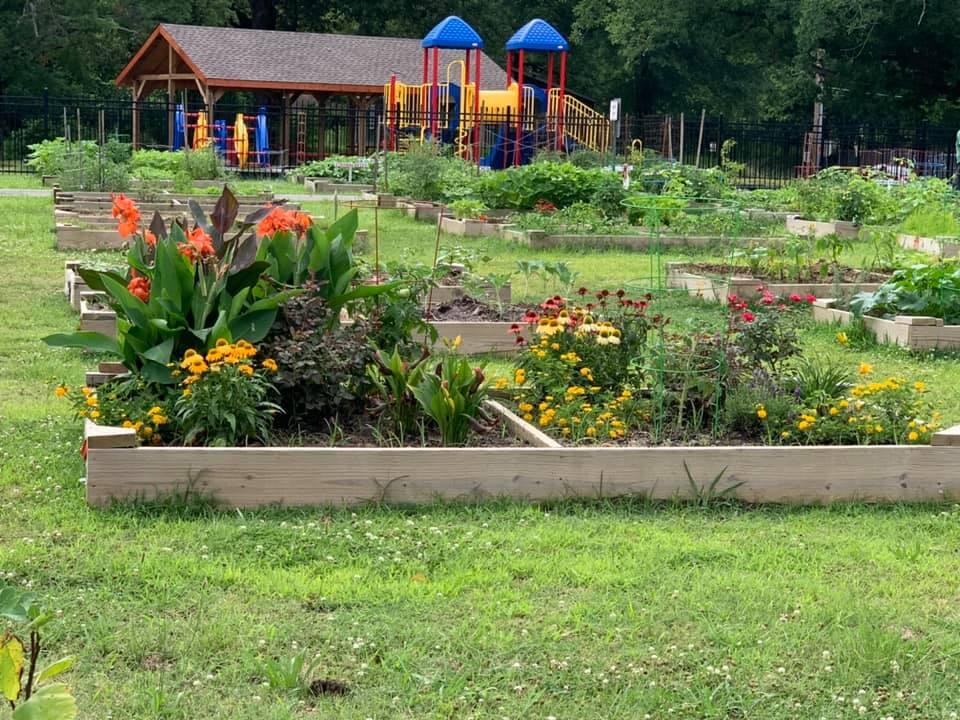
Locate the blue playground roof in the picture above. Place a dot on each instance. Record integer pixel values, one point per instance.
(538, 35)
(452, 33)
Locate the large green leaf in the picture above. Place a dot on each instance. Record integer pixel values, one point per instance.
(11, 666)
(132, 306)
(274, 301)
(320, 254)
(284, 249)
(160, 353)
(166, 277)
(252, 326)
(97, 342)
(16, 605)
(93, 278)
(365, 291)
(247, 277)
(56, 668)
(50, 702)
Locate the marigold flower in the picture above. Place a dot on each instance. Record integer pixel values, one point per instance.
(246, 369)
(842, 338)
(761, 412)
(92, 400)
(271, 365)
(919, 386)
(913, 436)
(61, 391)
(865, 368)
(520, 376)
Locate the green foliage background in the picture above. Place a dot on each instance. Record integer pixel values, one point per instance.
(889, 59)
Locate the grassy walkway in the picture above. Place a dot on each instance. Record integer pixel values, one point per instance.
(573, 611)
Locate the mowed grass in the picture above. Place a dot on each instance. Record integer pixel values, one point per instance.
(575, 610)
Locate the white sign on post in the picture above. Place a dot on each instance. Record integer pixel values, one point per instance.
(615, 109)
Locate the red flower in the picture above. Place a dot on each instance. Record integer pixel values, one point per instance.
(811, 298)
(748, 316)
(140, 287)
(732, 299)
(149, 238)
(201, 242)
(516, 329)
(126, 210)
(582, 291)
(781, 306)
(530, 317)
(767, 299)
(621, 293)
(795, 298)
(520, 340)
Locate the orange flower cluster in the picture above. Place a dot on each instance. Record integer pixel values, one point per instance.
(198, 245)
(149, 238)
(280, 220)
(126, 210)
(139, 287)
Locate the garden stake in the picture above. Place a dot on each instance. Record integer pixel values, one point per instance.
(436, 256)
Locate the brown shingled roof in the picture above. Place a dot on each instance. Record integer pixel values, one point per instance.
(235, 57)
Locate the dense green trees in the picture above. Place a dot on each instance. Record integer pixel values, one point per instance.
(882, 59)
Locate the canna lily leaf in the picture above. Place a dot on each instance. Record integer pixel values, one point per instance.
(56, 668)
(97, 342)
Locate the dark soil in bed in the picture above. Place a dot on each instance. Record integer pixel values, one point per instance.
(468, 309)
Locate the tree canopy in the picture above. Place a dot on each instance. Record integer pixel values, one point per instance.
(882, 60)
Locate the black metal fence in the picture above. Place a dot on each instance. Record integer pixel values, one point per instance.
(296, 134)
(774, 153)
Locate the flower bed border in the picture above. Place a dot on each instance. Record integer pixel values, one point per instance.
(933, 246)
(916, 332)
(253, 477)
(719, 290)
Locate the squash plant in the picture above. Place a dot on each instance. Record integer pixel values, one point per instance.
(184, 292)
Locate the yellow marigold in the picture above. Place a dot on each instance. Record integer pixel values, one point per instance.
(158, 419)
(803, 425)
(191, 352)
(543, 406)
(214, 355)
(85, 390)
(147, 431)
(834, 411)
(199, 368)
(127, 424)
(761, 412)
(94, 414)
(591, 432)
(187, 392)
(528, 417)
(525, 407)
(555, 346)
(842, 338)
(626, 394)
(500, 383)
(865, 368)
(92, 400)
(222, 343)
(919, 386)
(844, 404)
(246, 369)
(61, 391)
(520, 376)
(785, 434)
(586, 372)
(878, 428)
(913, 436)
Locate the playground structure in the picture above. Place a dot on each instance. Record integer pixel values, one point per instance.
(232, 142)
(494, 128)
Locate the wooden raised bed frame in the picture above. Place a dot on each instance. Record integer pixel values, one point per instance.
(253, 477)
(800, 226)
(718, 290)
(916, 332)
(935, 246)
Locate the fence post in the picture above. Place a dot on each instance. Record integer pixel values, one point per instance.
(46, 113)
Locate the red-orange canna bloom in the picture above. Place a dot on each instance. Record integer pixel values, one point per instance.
(280, 220)
(127, 212)
(140, 287)
(198, 245)
(150, 238)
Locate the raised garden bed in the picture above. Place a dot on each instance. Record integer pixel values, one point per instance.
(73, 284)
(813, 228)
(257, 476)
(541, 240)
(941, 247)
(95, 316)
(328, 186)
(916, 332)
(700, 282)
(471, 227)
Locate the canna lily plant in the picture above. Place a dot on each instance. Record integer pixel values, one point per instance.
(187, 288)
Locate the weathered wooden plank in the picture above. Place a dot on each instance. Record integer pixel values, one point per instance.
(249, 477)
(521, 429)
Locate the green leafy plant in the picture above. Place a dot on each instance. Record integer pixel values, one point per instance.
(467, 209)
(452, 396)
(932, 290)
(187, 290)
(705, 495)
(33, 696)
(818, 381)
(394, 380)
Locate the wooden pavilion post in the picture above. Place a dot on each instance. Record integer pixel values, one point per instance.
(138, 86)
(171, 100)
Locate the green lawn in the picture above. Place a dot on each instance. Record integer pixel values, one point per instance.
(577, 610)
(20, 181)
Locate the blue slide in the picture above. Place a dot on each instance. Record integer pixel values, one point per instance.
(501, 154)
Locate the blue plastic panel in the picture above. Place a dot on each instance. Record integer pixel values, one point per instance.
(452, 33)
(538, 36)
